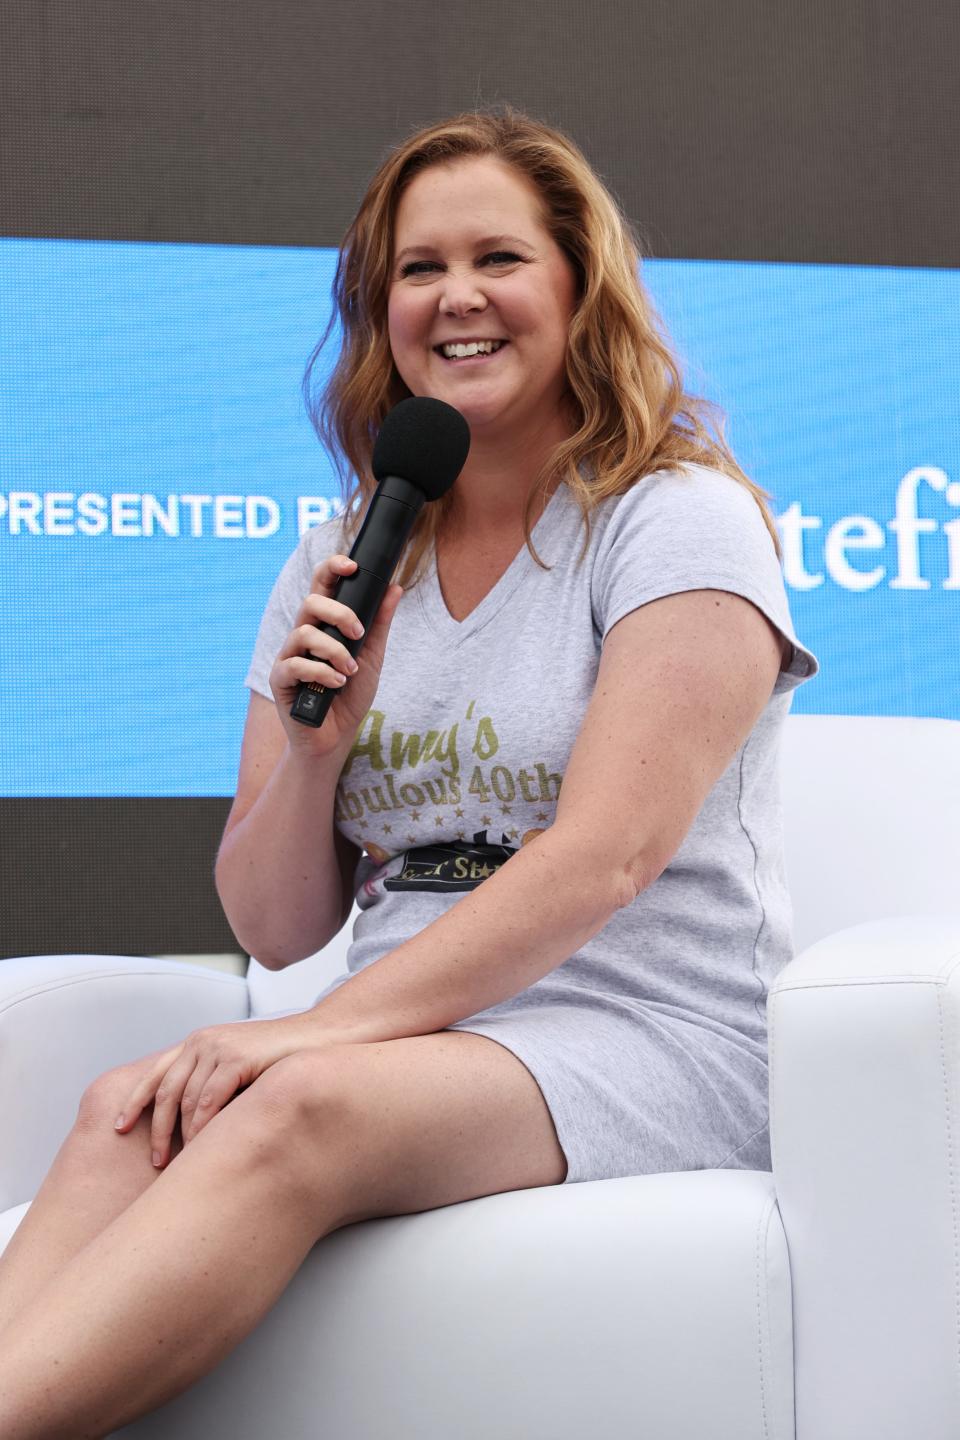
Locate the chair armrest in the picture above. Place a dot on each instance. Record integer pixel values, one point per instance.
(864, 1036)
(64, 1019)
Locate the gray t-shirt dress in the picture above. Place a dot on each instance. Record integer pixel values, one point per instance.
(649, 1042)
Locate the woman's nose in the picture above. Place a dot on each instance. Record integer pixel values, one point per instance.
(460, 294)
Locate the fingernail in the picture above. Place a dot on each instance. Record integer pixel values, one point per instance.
(119, 1123)
(156, 1157)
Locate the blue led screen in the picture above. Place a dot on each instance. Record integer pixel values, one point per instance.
(158, 466)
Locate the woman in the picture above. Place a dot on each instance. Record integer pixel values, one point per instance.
(568, 985)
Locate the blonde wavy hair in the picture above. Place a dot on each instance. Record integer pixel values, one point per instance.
(625, 391)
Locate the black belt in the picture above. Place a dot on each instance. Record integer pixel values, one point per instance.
(459, 865)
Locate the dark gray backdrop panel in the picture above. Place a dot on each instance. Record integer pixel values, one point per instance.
(749, 129)
(112, 877)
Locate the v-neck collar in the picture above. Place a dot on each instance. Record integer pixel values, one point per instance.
(434, 607)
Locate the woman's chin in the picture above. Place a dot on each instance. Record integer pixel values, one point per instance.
(481, 404)
(487, 410)
(482, 413)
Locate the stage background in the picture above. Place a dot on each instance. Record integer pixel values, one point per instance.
(175, 181)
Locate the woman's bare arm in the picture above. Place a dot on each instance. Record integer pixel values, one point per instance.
(284, 874)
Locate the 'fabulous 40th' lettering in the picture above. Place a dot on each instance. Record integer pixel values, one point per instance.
(534, 785)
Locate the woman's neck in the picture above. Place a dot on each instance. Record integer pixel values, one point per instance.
(491, 492)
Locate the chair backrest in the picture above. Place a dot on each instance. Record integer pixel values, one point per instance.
(871, 819)
(871, 828)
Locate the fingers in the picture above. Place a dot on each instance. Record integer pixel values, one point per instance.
(192, 1081)
(145, 1088)
(329, 573)
(324, 645)
(164, 1083)
(323, 657)
(317, 607)
(205, 1096)
(316, 654)
(196, 1089)
(166, 1107)
(196, 1101)
(320, 604)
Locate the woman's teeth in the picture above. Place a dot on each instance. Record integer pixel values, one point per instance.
(475, 347)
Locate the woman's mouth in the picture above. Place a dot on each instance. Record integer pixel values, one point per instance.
(460, 350)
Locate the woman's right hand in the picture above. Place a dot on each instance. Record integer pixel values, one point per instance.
(293, 665)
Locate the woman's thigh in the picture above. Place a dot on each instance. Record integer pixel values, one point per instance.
(400, 1126)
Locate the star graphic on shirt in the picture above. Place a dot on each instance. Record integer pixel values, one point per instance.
(438, 819)
(541, 816)
(414, 814)
(486, 820)
(505, 810)
(388, 829)
(411, 838)
(513, 833)
(459, 812)
(460, 835)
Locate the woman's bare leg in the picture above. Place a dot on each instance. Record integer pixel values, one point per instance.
(94, 1177)
(173, 1283)
(324, 1138)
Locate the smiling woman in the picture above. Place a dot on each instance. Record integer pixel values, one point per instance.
(571, 908)
(484, 327)
(494, 227)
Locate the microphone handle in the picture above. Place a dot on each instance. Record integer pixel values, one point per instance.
(377, 550)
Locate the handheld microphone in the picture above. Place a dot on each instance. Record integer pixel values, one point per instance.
(420, 451)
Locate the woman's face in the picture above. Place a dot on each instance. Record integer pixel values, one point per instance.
(472, 262)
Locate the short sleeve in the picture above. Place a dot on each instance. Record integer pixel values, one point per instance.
(286, 597)
(692, 529)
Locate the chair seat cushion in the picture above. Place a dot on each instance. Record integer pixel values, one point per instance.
(656, 1305)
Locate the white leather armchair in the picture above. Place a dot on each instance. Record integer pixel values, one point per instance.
(820, 1302)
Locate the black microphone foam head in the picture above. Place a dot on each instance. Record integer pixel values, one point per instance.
(424, 441)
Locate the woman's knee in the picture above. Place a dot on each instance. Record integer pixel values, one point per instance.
(296, 1108)
(311, 1086)
(104, 1098)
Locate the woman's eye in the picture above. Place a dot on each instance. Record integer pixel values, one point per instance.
(418, 267)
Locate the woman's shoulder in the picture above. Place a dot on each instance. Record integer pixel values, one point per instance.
(686, 481)
(692, 527)
(694, 496)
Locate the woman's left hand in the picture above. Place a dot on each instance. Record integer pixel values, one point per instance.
(198, 1077)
